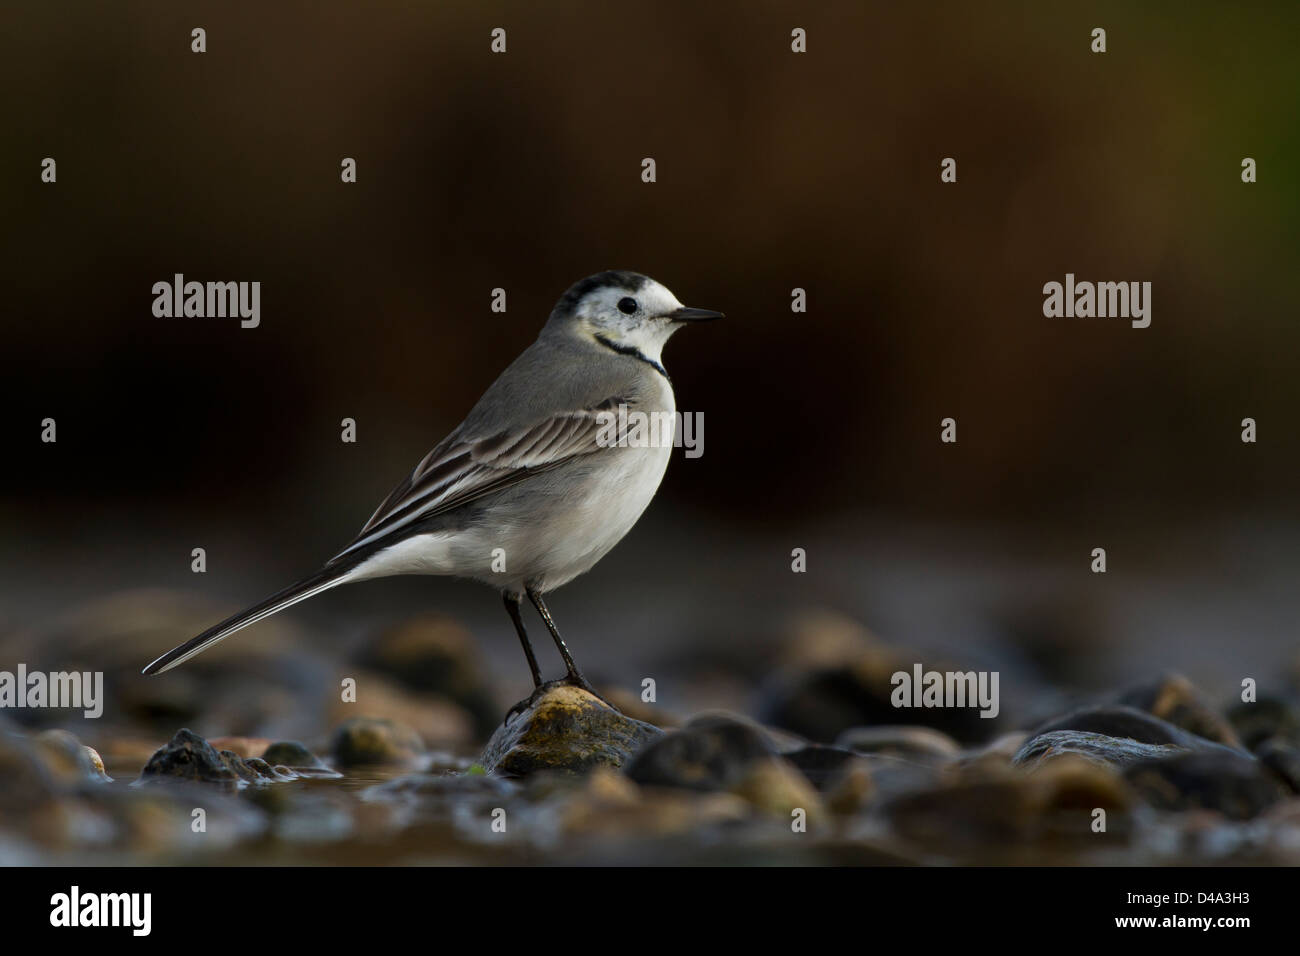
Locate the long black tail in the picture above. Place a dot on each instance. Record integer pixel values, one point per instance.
(322, 580)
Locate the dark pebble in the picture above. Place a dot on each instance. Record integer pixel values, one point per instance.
(710, 753)
(1283, 758)
(364, 741)
(1267, 718)
(982, 815)
(242, 770)
(820, 764)
(823, 703)
(1117, 720)
(900, 741)
(291, 754)
(187, 756)
(1174, 698)
(1235, 784)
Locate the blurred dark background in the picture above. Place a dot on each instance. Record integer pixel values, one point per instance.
(775, 171)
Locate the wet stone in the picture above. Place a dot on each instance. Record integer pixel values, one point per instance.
(836, 676)
(241, 769)
(1283, 759)
(1265, 719)
(979, 813)
(277, 774)
(821, 704)
(254, 770)
(187, 756)
(365, 741)
(611, 808)
(900, 741)
(1117, 720)
(851, 789)
(819, 764)
(1174, 698)
(996, 754)
(438, 721)
(68, 759)
(776, 788)
(1235, 784)
(895, 776)
(295, 756)
(1117, 751)
(709, 753)
(564, 728)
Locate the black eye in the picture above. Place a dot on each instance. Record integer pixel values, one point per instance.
(627, 306)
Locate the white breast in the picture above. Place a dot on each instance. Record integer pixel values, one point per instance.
(609, 504)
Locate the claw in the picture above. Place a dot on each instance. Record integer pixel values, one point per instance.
(571, 680)
(577, 680)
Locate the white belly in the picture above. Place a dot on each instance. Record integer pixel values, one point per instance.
(602, 516)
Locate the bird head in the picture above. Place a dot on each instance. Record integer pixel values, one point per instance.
(625, 310)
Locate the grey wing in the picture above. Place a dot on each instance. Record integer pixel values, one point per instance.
(460, 470)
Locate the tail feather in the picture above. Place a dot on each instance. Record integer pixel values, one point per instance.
(322, 580)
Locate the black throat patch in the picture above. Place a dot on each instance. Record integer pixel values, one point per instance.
(633, 351)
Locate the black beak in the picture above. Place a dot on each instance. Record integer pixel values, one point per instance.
(693, 315)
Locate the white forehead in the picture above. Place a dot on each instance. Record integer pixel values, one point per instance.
(653, 298)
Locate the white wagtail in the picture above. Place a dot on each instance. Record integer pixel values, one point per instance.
(531, 471)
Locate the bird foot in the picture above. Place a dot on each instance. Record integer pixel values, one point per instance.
(571, 680)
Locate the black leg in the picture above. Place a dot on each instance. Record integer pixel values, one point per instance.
(512, 608)
(575, 675)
